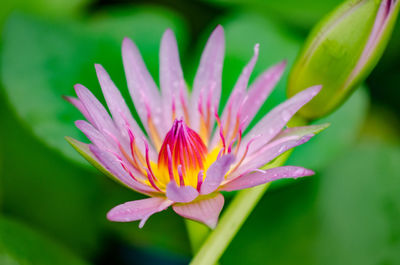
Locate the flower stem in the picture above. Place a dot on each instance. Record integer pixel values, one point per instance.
(231, 221)
(197, 234)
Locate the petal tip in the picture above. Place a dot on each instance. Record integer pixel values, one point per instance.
(127, 44)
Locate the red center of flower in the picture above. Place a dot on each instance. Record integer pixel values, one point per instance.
(182, 153)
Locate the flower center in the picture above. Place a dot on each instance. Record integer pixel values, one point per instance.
(182, 155)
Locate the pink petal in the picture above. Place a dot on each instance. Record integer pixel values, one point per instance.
(99, 115)
(84, 150)
(216, 173)
(181, 193)
(268, 153)
(274, 121)
(205, 211)
(173, 86)
(120, 111)
(259, 91)
(94, 135)
(138, 210)
(260, 177)
(116, 103)
(143, 90)
(208, 76)
(301, 131)
(78, 104)
(237, 95)
(114, 167)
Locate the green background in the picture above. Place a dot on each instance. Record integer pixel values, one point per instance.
(53, 204)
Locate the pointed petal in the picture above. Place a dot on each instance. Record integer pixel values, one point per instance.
(237, 95)
(205, 211)
(181, 193)
(101, 119)
(143, 90)
(268, 153)
(261, 177)
(78, 104)
(138, 210)
(119, 110)
(83, 149)
(259, 91)
(118, 173)
(208, 76)
(302, 130)
(94, 135)
(173, 86)
(216, 173)
(116, 103)
(277, 118)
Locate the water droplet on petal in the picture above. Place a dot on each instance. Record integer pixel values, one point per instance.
(286, 115)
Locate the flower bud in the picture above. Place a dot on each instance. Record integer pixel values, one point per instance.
(341, 51)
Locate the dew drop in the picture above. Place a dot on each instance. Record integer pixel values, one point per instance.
(286, 115)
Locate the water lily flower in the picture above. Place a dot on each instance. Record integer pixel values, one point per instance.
(181, 160)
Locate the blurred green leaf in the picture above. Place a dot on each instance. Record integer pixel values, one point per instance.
(62, 54)
(20, 244)
(346, 123)
(359, 207)
(347, 215)
(62, 198)
(46, 190)
(46, 8)
(301, 13)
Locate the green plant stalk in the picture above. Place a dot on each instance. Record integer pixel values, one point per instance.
(233, 217)
(197, 233)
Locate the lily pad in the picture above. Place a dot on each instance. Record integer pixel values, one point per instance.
(349, 214)
(20, 244)
(60, 54)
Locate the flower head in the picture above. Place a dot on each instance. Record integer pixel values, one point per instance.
(181, 160)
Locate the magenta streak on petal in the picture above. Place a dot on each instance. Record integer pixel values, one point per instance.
(170, 168)
(118, 108)
(182, 194)
(181, 180)
(277, 118)
(203, 210)
(237, 95)
(216, 173)
(209, 74)
(150, 175)
(138, 210)
(151, 179)
(113, 165)
(221, 131)
(267, 154)
(261, 177)
(200, 180)
(142, 88)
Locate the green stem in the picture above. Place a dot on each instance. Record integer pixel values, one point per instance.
(235, 215)
(231, 221)
(197, 233)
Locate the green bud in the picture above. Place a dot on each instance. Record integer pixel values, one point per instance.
(341, 51)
